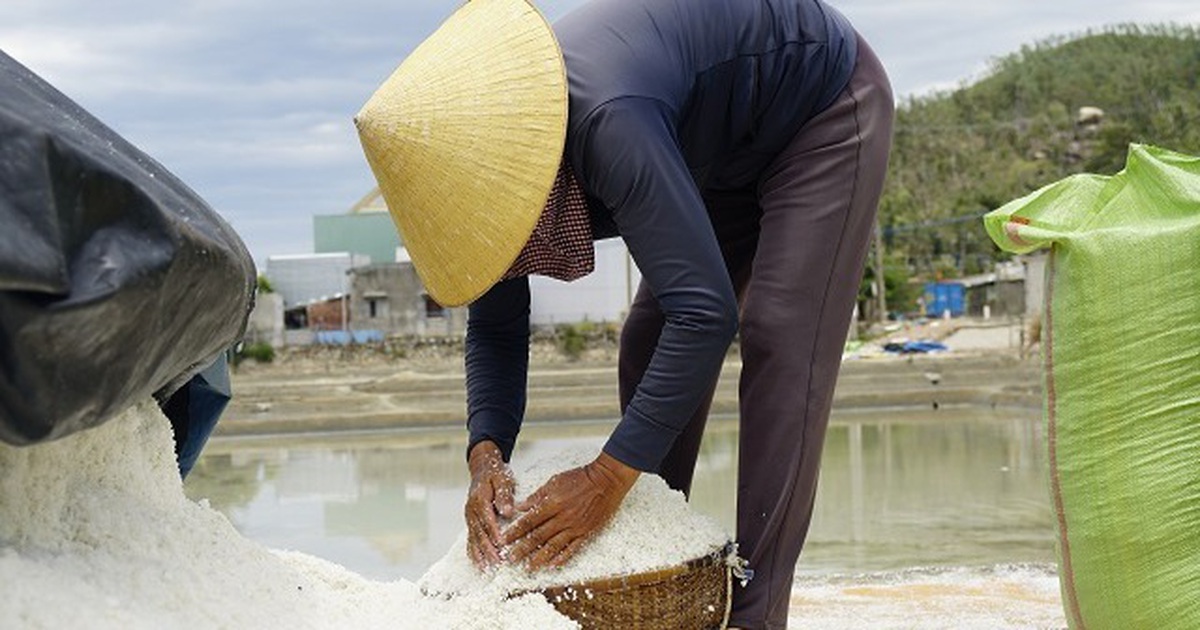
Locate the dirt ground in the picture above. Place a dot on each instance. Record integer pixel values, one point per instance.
(409, 385)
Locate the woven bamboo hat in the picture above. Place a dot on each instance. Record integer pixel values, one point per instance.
(465, 139)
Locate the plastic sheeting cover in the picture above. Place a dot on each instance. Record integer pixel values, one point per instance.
(116, 280)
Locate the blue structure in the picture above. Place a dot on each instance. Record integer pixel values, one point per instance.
(944, 296)
(347, 337)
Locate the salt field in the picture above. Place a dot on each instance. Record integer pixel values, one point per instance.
(957, 487)
(922, 523)
(924, 519)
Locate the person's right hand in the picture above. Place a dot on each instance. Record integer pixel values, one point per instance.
(490, 496)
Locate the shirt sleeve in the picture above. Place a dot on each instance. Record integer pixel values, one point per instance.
(497, 364)
(628, 157)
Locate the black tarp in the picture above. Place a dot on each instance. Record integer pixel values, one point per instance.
(117, 282)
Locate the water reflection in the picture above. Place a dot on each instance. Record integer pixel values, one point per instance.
(898, 489)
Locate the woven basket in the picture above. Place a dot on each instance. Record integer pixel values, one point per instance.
(692, 596)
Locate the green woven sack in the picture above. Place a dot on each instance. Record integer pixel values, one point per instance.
(1121, 346)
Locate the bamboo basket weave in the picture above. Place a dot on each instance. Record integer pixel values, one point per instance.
(694, 595)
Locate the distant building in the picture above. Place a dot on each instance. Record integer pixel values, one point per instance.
(305, 278)
(390, 298)
(998, 294)
(366, 229)
(602, 296)
(361, 280)
(314, 290)
(324, 315)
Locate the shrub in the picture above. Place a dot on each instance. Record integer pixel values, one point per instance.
(572, 339)
(260, 351)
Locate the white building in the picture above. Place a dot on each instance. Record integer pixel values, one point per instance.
(305, 278)
(602, 296)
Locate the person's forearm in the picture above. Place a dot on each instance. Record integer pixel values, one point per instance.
(497, 363)
(685, 364)
(628, 157)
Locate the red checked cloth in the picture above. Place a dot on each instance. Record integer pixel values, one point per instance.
(561, 244)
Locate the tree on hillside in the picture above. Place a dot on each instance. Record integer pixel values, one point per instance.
(961, 153)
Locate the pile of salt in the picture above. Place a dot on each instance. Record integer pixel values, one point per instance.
(95, 532)
(654, 529)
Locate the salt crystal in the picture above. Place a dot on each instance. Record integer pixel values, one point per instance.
(654, 529)
(95, 532)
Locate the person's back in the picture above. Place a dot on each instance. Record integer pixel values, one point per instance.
(738, 79)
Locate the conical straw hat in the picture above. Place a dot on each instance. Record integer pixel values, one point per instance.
(465, 139)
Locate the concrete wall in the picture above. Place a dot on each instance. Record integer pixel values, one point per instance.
(1035, 282)
(391, 298)
(306, 278)
(266, 320)
(1002, 298)
(300, 337)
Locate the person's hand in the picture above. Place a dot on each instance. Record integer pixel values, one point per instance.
(490, 496)
(562, 515)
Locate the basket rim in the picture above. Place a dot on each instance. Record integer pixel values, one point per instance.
(717, 557)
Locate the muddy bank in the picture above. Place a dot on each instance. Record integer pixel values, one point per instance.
(420, 384)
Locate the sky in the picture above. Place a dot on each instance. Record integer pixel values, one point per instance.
(250, 102)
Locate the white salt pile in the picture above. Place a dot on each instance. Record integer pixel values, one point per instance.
(95, 532)
(654, 529)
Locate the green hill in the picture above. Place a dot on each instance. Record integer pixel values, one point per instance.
(961, 153)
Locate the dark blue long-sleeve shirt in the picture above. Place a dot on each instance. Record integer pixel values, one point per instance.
(667, 98)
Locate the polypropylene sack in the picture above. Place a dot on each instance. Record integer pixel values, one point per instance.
(116, 280)
(1121, 346)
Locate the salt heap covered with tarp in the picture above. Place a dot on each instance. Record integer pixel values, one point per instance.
(96, 532)
(117, 281)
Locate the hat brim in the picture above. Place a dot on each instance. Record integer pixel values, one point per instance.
(465, 140)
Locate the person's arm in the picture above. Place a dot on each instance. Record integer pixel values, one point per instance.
(629, 159)
(497, 361)
(497, 364)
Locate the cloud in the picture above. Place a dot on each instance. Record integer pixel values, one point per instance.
(251, 101)
(936, 44)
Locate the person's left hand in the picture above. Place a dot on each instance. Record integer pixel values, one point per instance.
(566, 512)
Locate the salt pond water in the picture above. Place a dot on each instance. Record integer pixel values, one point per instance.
(924, 519)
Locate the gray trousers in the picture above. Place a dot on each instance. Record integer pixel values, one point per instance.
(795, 249)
